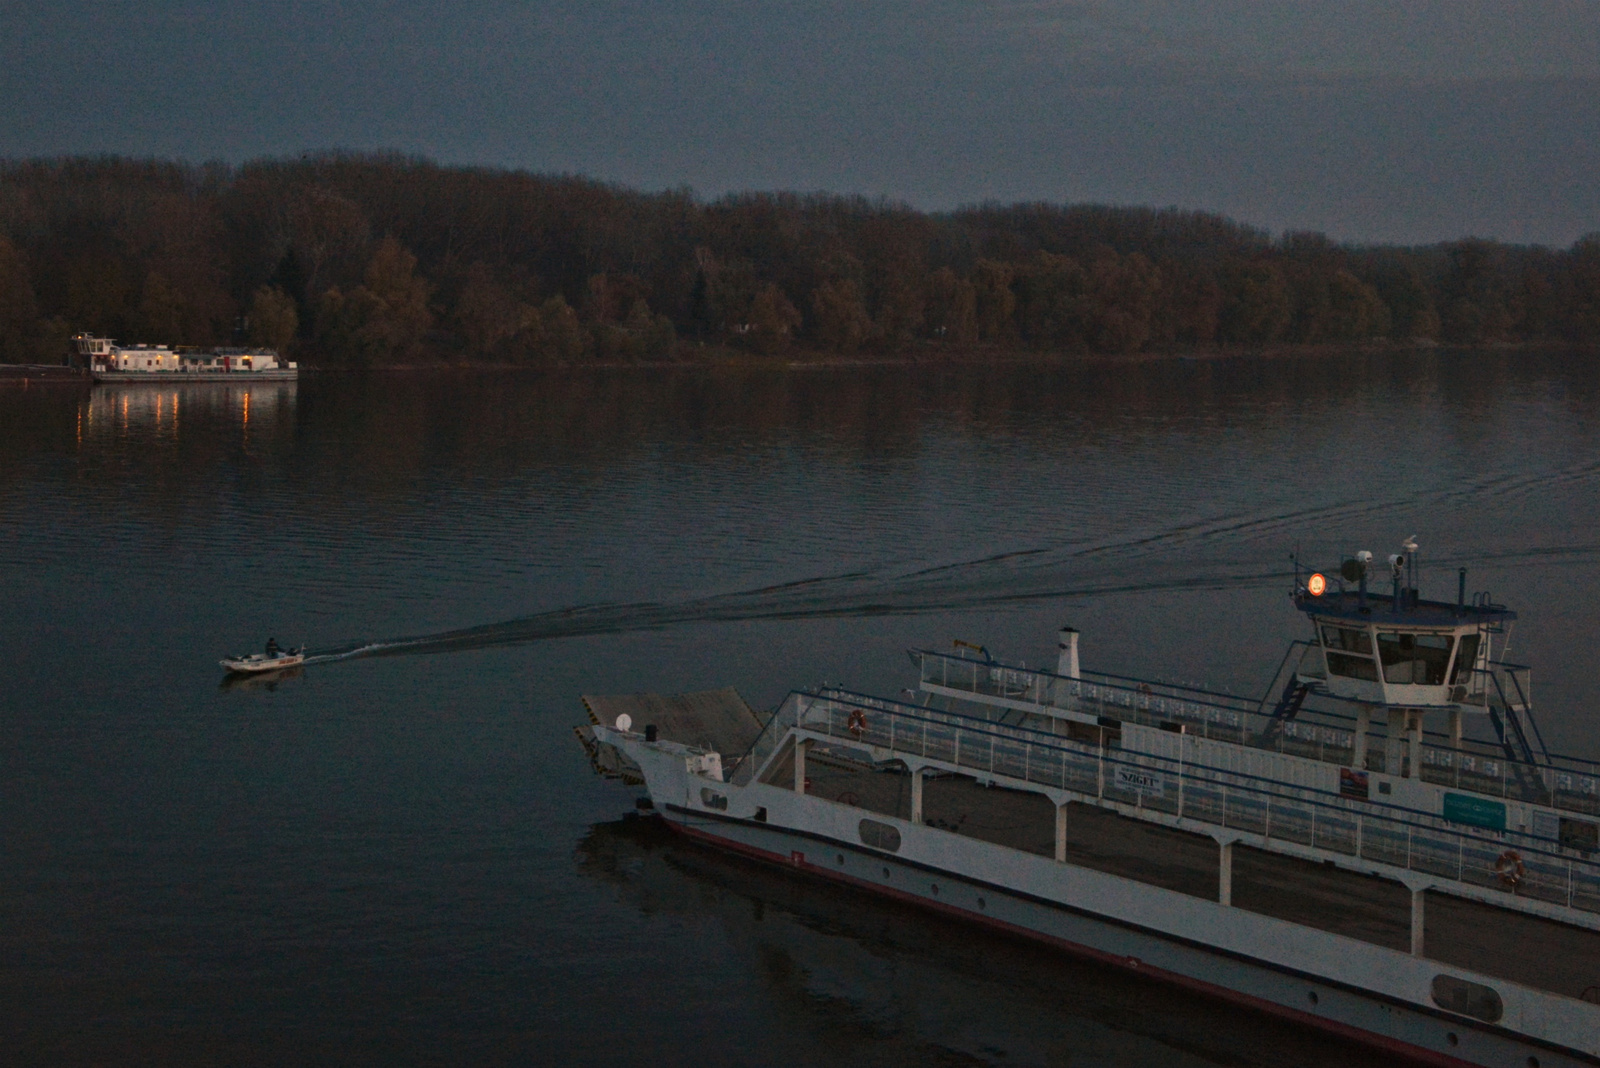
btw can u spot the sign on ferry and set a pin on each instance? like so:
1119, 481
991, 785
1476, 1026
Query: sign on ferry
1140, 782
1477, 811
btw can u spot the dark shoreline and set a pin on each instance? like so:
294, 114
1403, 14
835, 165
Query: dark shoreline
719, 357
50, 373
692, 356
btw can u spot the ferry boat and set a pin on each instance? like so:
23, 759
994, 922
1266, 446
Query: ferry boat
1382, 847
110, 362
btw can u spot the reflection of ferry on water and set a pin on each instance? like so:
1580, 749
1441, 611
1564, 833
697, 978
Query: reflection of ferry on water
1381, 847
110, 362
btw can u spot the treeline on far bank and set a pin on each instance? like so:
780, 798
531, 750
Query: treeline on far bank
348, 260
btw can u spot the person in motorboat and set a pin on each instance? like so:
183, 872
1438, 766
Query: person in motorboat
272, 647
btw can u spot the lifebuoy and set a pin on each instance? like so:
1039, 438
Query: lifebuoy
1509, 867
857, 723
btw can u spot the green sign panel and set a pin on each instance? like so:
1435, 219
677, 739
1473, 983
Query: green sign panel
1478, 811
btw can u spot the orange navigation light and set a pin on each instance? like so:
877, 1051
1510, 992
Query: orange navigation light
1317, 585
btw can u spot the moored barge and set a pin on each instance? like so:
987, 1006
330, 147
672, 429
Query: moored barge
109, 362
1381, 847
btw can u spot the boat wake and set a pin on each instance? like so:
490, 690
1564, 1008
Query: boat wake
1218, 552
823, 598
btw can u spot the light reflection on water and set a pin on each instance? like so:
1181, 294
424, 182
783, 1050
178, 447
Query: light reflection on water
391, 857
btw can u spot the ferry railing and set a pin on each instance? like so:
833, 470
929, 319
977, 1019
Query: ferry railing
1565, 783
777, 727
1277, 811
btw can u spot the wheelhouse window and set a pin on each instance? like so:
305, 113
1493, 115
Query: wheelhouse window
1349, 652
1414, 659
1466, 660
1347, 640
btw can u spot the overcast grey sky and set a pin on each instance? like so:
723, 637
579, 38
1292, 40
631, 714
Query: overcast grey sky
1404, 120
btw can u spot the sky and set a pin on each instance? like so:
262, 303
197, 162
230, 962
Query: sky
1403, 121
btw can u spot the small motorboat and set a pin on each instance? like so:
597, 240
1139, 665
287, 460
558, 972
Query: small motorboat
274, 659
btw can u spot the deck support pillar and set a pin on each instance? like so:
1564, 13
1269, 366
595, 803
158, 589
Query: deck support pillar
1225, 842
1455, 728
916, 795
801, 746
1061, 832
1419, 888
1358, 758
1414, 743
1393, 739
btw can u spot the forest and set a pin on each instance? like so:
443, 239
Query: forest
365, 261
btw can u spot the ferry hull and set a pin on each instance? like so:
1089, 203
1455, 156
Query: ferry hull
178, 378
1420, 1035
1382, 997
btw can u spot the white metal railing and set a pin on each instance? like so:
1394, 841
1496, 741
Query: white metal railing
1570, 784
1277, 811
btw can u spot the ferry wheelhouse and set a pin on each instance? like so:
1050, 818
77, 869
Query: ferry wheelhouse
1381, 846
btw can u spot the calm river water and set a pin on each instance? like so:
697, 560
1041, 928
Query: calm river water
401, 855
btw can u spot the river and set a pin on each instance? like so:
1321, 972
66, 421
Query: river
400, 855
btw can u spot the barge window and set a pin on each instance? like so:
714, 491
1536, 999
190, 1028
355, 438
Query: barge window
1352, 667
1347, 640
1466, 658
1414, 659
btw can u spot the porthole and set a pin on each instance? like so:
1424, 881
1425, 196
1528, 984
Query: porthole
1533, 1062
886, 873
1452, 1039
982, 904
1311, 996
935, 889
841, 860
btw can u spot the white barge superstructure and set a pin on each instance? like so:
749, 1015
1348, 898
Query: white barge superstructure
1381, 848
109, 362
